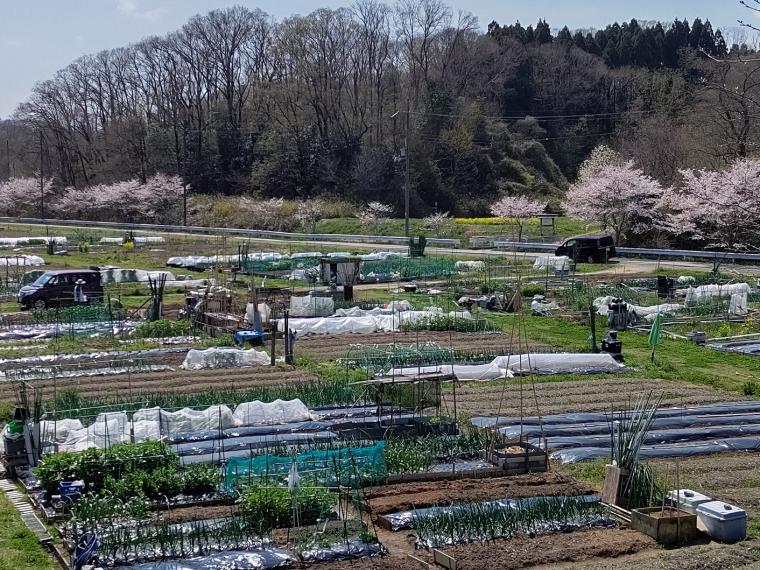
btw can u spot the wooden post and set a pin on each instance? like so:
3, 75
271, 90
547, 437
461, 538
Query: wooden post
274, 335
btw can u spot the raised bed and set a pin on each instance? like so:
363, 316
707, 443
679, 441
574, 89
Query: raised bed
667, 526
518, 458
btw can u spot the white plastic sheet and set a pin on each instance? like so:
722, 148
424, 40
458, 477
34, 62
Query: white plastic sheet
107, 430
117, 275
705, 293
506, 366
364, 324
645, 313
21, 261
310, 306
138, 240
58, 431
738, 304
469, 266
224, 357
264, 313
553, 262
187, 419
17, 241
271, 413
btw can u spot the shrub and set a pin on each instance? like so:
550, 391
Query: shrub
97, 466
270, 507
532, 289
163, 329
750, 388
267, 507
200, 479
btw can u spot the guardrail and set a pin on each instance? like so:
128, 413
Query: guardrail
644, 252
398, 240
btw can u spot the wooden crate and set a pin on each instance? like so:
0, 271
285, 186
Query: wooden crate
530, 460
668, 526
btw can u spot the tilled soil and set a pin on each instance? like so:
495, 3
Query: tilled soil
186, 514
730, 477
406, 496
592, 394
178, 381
338, 346
517, 552
710, 556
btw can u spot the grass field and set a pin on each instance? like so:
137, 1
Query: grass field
19, 548
461, 229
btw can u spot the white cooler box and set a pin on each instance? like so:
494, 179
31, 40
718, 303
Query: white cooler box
687, 499
723, 522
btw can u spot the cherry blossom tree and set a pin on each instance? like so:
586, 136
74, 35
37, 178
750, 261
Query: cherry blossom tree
22, 196
601, 157
437, 223
159, 199
310, 212
720, 208
518, 209
374, 214
620, 198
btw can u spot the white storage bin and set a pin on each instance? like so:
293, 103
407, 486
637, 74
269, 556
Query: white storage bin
688, 500
723, 522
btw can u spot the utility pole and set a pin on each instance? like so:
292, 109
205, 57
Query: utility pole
406, 183
42, 182
405, 156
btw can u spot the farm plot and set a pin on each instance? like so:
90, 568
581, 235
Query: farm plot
329, 347
133, 387
548, 395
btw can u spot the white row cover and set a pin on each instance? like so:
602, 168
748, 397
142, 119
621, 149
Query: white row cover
139, 240
553, 262
210, 261
705, 293
309, 306
389, 309
224, 357
117, 275
645, 313
155, 423
203, 260
469, 266
507, 366
339, 325
21, 261
17, 241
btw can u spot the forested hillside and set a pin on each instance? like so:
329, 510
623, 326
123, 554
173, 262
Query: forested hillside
332, 103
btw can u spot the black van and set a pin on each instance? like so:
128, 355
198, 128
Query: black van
62, 288
589, 249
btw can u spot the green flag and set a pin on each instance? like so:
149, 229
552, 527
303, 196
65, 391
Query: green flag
654, 334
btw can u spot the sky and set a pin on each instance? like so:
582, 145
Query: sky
38, 37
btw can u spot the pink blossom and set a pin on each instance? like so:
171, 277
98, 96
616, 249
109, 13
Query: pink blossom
721, 208
620, 198
518, 209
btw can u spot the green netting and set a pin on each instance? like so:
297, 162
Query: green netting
249, 265
85, 313
347, 467
408, 268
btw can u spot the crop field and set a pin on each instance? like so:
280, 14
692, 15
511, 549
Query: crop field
307, 462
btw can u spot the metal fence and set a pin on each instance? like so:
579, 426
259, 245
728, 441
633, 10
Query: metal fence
398, 240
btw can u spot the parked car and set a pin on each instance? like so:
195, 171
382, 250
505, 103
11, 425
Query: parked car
589, 249
62, 288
